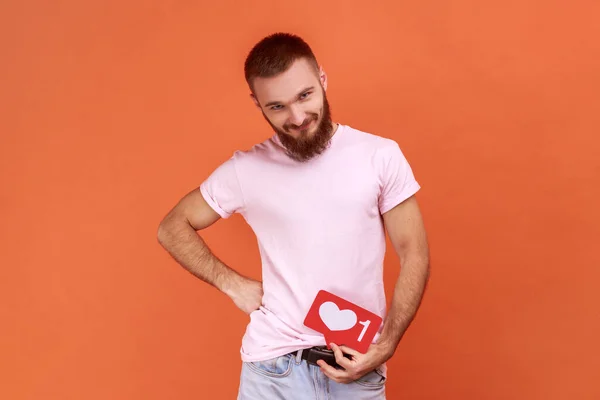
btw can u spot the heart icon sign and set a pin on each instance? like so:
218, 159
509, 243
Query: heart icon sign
342, 322
336, 319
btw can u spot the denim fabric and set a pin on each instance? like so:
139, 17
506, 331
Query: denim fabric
290, 378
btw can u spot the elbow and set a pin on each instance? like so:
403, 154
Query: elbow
171, 227
161, 233
164, 230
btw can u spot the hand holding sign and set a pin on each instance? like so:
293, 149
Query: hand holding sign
342, 322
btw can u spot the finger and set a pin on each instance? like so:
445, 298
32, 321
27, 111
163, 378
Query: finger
328, 369
336, 375
339, 357
350, 351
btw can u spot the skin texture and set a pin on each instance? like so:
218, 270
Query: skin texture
294, 104
177, 233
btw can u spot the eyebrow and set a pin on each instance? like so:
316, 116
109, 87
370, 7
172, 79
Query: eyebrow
274, 103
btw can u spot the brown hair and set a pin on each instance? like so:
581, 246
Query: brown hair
275, 54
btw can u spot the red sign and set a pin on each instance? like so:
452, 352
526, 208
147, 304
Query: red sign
342, 322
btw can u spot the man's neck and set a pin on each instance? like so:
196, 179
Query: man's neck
334, 129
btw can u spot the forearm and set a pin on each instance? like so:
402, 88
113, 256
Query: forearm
406, 300
184, 244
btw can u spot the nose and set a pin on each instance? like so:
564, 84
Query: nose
297, 115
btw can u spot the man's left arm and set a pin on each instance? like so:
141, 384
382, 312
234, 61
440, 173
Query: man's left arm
406, 230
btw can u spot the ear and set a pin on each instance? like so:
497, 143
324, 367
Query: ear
323, 77
255, 100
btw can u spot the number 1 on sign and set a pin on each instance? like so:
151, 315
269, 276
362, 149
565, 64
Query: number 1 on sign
366, 326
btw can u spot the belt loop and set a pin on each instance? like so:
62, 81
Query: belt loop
299, 356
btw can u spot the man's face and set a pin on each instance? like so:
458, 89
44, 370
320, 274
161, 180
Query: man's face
295, 105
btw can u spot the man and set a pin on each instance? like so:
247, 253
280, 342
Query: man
319, 196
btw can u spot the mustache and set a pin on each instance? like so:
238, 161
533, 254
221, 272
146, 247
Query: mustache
313, 117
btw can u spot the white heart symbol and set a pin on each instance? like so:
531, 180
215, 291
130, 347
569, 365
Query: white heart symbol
336, 319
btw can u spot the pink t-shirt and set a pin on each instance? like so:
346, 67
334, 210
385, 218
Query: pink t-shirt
318, 225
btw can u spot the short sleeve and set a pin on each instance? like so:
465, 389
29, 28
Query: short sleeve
397, 181
222, 190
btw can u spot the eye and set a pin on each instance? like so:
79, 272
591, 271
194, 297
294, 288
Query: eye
304, 95
277, 107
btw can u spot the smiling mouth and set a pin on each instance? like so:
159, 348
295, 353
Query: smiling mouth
303, 126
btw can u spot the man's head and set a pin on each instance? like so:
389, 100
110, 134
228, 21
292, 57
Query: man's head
288, 86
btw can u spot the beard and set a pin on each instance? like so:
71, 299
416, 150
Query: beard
307, 147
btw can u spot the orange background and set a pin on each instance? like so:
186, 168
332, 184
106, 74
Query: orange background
111, 111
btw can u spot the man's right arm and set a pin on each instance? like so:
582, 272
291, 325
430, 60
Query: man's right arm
177, 233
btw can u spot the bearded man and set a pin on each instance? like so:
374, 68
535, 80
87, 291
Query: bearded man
320, 197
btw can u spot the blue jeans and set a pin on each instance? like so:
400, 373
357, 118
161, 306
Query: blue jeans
289, 377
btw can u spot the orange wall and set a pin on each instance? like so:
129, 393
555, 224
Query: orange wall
113, 110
